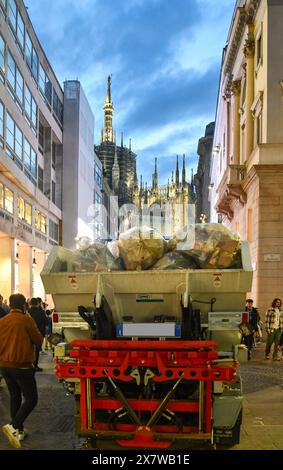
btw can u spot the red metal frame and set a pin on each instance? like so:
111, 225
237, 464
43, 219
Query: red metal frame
192, 360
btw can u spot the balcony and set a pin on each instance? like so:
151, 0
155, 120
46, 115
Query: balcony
230, 190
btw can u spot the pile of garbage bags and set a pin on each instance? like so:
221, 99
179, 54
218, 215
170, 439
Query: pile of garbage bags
199, 246
95, 258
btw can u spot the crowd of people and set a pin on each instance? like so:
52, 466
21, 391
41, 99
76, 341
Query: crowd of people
26, 324
252, 328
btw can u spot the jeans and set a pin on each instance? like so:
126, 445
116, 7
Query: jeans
20, 382
273, 337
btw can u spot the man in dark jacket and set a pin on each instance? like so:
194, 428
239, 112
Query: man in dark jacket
18, 336
252, 325
38, 314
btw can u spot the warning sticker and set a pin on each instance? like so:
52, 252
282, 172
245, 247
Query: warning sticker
217, 279
73, 282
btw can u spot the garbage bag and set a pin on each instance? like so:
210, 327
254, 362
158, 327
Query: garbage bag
141, 247
175, 260
212, 246
95, 258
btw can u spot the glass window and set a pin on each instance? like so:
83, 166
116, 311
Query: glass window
1, 195
34, 65
33, 163
15, 78
20, 30
3, 4
11, 75
57, 107
43, 223
53, 156
2, 55
21, 208
28, 50
30, 158
40, 136
37, 219
40, 221
40, 179
24, 211
98, 198
18, 143
33, 112
19, 85
30, 107
48, 90
28, 213
13, 14
27, 101
41, 79
10, 131
1, 119
53, 192
53, 230
27, 154
9, 201
98, 175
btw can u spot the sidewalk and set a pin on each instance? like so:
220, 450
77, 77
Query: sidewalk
262, 427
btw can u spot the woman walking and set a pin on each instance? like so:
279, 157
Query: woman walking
274, 328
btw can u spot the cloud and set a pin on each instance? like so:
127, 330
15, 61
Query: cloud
164, 56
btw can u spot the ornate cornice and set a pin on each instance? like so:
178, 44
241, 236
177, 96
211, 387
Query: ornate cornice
236, 87
249, 47
235, 40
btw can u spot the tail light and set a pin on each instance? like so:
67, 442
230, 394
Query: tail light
245, 317
55, 318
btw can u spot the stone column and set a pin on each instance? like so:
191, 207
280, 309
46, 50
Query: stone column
249, 51
7, 266
236, 89
25, 269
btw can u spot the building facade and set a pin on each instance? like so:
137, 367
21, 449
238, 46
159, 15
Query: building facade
202, 177
82, 170
118, 162
31, 137
173, 200
247, 164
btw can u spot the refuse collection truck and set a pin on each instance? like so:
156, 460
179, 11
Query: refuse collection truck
157, 367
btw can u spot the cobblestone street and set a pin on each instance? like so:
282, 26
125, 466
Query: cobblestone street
50, 426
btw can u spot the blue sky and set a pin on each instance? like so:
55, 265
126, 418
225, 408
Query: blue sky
164, 56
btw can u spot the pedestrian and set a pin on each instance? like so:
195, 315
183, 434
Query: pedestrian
48, 331
4, 309
38, 314
274, 328
253, 319
18, 336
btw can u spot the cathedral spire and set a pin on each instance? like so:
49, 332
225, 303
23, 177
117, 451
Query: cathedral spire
141, 188
177, 171
122, 139
108, 132
146, 194
155, 177
115, 173
184, 170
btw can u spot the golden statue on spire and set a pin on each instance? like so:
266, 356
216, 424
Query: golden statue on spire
108, 134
